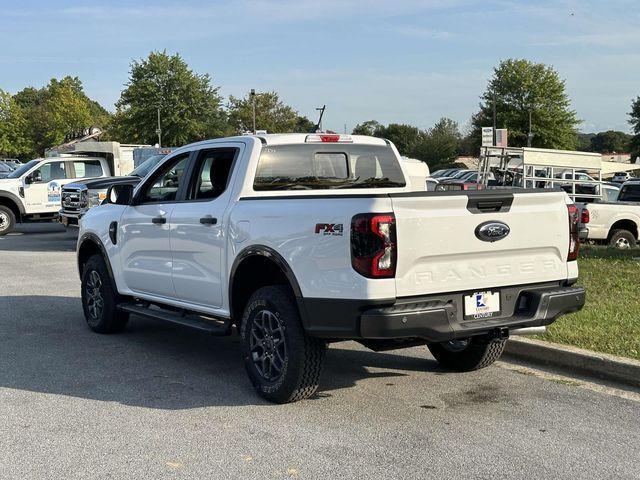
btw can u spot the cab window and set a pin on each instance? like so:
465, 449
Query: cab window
164, 185
53, 171
212, 172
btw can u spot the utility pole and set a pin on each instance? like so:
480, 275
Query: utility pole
321, 110
494, 119
159, 130
530, 135
253, 102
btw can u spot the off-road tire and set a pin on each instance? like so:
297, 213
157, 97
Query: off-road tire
7, 220
622, 239
303, 355
479, 353
105, 317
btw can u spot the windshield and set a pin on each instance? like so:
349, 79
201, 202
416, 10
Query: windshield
461, 174
17, 173
145, 167
328, 166
5, 168
629, 193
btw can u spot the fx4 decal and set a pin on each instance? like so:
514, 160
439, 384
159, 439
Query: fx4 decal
329, 229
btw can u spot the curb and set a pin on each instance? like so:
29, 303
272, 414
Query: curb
601, 365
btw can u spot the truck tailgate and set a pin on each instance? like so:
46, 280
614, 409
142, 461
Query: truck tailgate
439, 249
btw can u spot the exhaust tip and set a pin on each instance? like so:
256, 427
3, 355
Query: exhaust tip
528, 331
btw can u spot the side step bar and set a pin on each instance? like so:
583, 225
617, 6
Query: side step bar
211, 326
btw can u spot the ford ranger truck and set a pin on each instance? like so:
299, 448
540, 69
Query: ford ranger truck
301, 240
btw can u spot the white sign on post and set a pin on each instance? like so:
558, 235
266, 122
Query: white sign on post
487, 136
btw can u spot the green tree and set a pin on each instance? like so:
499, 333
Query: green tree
610, 141
56, 110
406, 138
370, 127
440, 145
520, 88
272, 115
634, 120
190, 106
14, 141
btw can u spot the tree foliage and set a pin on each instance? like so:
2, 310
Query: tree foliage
14, 142
52, 112
438, 146
634, 120
520, 87
610, 141
272, 115
190, 106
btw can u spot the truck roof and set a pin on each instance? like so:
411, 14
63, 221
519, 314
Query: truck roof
291, 138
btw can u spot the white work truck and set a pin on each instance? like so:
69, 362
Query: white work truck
300, 240
615, 222
34, 191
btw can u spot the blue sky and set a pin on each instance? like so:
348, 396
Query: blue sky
394, 61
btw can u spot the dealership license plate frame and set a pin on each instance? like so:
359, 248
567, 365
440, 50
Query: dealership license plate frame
487, 306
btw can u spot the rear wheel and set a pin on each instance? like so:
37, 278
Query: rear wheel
7, 220
282, 362
99, 299
467, 354
622, 239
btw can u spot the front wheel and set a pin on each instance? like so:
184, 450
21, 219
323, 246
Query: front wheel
282, 361
99, 299
467, 354
7, 220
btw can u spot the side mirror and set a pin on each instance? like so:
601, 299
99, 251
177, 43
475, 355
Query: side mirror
120, 194
35, 177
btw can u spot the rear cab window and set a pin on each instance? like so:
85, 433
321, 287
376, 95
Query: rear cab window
629, 193
330, 166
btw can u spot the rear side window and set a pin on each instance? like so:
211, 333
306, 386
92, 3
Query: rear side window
87, 168
308, 167
629, 193
213, 171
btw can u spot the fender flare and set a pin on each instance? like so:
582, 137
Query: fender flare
265, 252
14, 199
89, 237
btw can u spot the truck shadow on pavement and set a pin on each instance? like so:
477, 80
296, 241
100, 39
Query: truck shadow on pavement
45, 346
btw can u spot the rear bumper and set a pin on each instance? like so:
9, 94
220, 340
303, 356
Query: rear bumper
438, 318
583, 233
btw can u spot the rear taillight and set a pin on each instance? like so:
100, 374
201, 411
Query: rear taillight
584, 216
574, 241
373, 245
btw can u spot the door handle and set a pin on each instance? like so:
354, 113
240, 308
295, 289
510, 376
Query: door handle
159, 220
208, 220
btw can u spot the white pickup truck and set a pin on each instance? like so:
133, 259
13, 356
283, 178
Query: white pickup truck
300, 240
615, 222
32, 191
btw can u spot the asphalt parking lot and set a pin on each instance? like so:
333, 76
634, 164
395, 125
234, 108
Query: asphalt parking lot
164, 402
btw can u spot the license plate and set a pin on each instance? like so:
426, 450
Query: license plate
481, 304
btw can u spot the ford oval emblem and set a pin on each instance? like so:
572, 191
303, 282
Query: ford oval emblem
492, 231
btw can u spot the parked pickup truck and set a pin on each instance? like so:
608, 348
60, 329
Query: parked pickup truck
78, 197
615, 223
300, 240
33, 191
